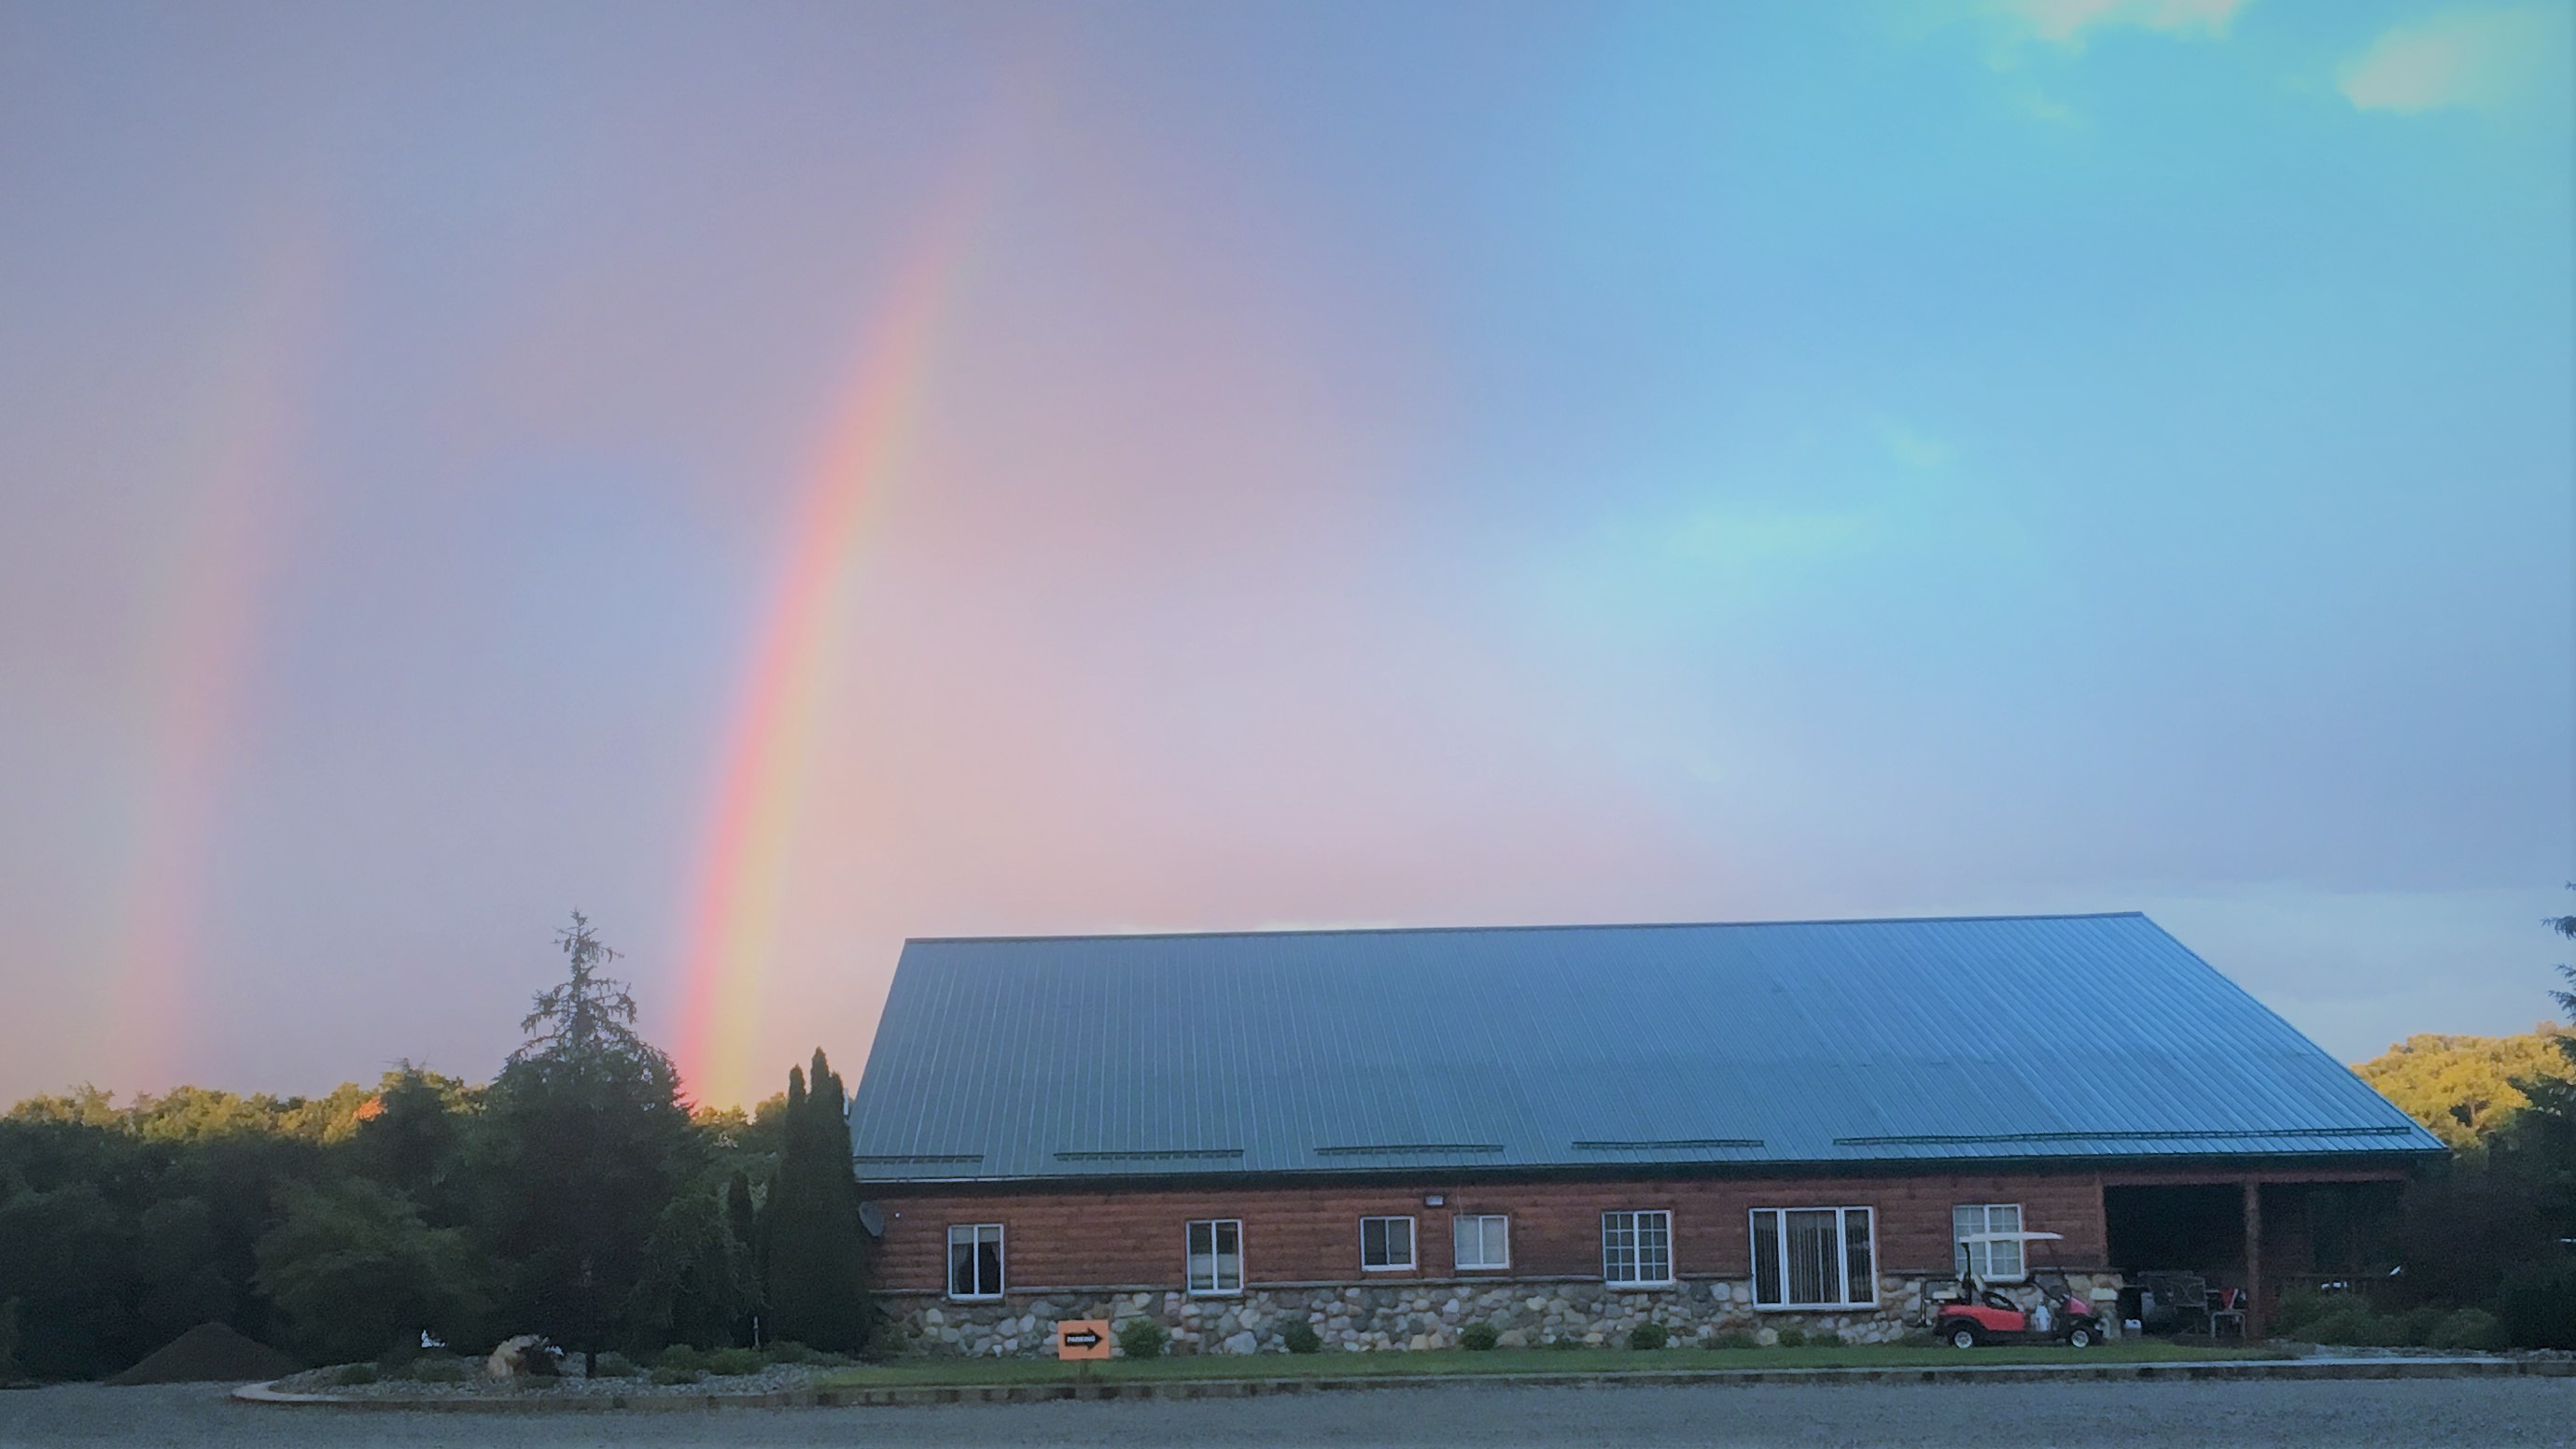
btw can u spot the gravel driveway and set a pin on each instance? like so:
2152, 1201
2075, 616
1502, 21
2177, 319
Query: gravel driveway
2490, 1413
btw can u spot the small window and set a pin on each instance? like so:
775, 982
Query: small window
1994, 1262
1386, 1243
1484, 1240
975, 1261
1637, 1249
1814, 1258
1216, 1256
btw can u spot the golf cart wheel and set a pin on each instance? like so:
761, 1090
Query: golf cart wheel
1962, 1336
2080, 1336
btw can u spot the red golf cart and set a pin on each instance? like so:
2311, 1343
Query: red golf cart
1979, 1314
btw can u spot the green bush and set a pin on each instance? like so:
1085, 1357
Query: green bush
671, 1373
2539, 1308
788, 1350
1142, 1338
2469, 1328
2300, 1307
354, 1373
1649, 1335
2416, 1327
1731, 1339
1478, 1337
1826, 1339
680, 1356
616, 1366
2350, 1321
1301, 1337
1793, 1338
438, 1369
736, 1361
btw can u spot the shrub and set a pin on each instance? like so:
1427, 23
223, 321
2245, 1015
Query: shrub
736, 1361
788, 1350
2301, 1307
1826, 1339
1478, 1337
355, 1373
2415, 1329
680, 1356
1301, 1337
676, 1374
2350, 1321
438, 1369
2539, 1308
1732, 1339
2469, 1328
616, 1366
1142, 1338
1565, 1343
1649, 1335
1793, 1338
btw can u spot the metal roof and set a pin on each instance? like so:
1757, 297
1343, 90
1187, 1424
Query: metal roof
1589, 1046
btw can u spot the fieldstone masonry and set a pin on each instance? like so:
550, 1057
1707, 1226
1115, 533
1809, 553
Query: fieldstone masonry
1409, 1316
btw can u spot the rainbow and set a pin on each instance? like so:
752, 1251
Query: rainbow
742, 879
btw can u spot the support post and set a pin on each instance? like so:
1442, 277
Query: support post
2253, 1261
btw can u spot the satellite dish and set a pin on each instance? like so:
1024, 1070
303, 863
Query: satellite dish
872, 1218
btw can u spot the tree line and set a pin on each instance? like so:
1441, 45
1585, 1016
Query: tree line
576, 1195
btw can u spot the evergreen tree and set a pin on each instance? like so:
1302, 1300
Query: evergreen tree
816, 1277
593, 1146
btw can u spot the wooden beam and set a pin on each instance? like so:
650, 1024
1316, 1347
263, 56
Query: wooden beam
2253, 1260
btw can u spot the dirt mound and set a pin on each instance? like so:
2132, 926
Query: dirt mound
208, 1353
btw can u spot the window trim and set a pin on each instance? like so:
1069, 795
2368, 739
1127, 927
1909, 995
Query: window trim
1189, 1279
1502, 1267
1412, 1244
1001, 1261
1842, 1255
1672, 1271
1961, 1259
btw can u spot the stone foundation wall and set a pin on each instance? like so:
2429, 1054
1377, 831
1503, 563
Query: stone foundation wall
1409, 1316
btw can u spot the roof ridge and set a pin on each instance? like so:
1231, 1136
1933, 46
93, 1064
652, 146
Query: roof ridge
1493, 930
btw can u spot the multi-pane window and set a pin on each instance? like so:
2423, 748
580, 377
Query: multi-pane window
1636, 1248
1813, 1258
1994, 1262
1484, 1240
1216, 1256
1386, 1242
975, 1260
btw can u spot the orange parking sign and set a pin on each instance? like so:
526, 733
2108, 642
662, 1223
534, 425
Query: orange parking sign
1082, 1338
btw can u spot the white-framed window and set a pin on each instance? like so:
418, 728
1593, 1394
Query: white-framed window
1386, 1243
1484, 1240
975, 1260
1216, 1255
1637, 1249
1994, 1262
1814, 1258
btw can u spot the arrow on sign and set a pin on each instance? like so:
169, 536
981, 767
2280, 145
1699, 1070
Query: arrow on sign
1082, 1338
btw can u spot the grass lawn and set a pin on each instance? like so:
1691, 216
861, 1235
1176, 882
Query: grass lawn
911, 1372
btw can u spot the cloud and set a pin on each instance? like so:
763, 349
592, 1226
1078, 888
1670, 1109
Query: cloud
2065, 22
2472, 58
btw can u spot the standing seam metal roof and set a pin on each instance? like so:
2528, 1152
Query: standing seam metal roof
1583, 1046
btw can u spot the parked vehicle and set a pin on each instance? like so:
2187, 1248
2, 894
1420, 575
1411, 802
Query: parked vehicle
1984, 1315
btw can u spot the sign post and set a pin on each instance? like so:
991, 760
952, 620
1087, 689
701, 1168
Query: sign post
1082, 1338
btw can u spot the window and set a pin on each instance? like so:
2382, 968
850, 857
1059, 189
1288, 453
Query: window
1386, 1242
1216, 1256
1636, 1248
1813, 1258
1994, 1262
1484, 1240
975, 1261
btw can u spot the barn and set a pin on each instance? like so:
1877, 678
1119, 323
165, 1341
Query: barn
1568, 1131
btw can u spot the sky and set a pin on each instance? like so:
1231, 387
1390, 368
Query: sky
784, 478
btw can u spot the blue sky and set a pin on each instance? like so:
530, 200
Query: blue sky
1415, 464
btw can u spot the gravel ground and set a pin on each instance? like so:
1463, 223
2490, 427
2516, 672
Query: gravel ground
2490, 1413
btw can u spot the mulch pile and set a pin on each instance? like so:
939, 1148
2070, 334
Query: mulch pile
209, 1353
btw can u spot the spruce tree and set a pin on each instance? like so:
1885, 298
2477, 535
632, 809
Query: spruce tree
817, 1288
